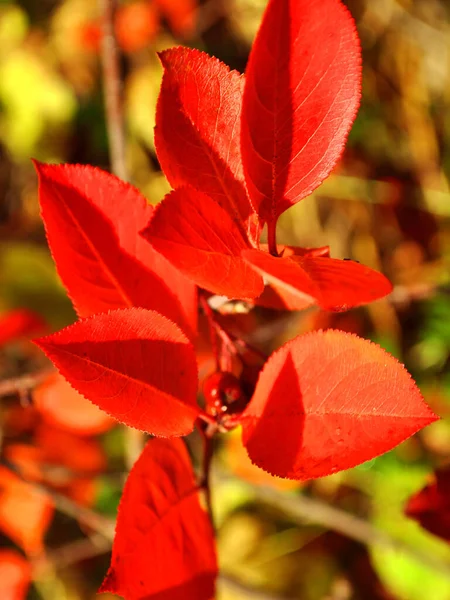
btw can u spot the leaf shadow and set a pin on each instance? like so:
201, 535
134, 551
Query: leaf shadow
275, 441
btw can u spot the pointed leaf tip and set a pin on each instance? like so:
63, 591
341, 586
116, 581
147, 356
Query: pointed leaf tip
328, 401
134, 364
334, 284
301, 96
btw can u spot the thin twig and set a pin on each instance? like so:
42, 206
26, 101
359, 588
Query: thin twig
82, 549
24, 384
207, 432
112, 90
235, 586
303, 509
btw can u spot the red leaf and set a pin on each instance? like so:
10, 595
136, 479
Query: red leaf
328, 401
15, 575
164, 543
431, 506
335, 284
25, 512
136, 25
19, 323
59, 404
181, 15
201, 240
198, 128
92, 220
301, 96
135, 364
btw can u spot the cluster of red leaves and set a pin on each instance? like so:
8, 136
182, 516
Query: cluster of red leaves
238, 151
57, 451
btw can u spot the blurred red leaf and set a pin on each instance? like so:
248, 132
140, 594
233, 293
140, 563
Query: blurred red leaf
201, 240
15, 575
60, 404
25, 512
301, 96
327, 401
80, 455
60, 460
180, 14
92, 220
135, 364
164, 543
136, 25
198, 129
335, 284
431, 506
19, 323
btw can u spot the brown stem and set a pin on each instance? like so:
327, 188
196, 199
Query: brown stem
112, 89
207, 432
272, 237
21, 386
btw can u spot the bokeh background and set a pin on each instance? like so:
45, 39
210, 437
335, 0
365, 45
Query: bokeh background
386, 205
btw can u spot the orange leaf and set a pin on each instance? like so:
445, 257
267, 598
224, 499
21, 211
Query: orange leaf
59, 404
15, 575
25, 512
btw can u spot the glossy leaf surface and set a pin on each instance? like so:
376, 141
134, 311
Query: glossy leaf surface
60, 404
334, 284
431, 505
198, 128
328, 401
92, 221
164, 543
301, 96
201, 240
15, 575
134, 364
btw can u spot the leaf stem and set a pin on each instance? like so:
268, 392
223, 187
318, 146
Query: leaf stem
207, 432
21, 386
272, 237
112, 89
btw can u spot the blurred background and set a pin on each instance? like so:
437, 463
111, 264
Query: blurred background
387, 205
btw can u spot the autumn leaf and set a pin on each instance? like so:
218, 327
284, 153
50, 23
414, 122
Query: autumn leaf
197, 135
334, 284
300, 99
164, 543
201, 240
60, 404
135, 364
327, 401
431, 506
15, 575
25, 512
92, 220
